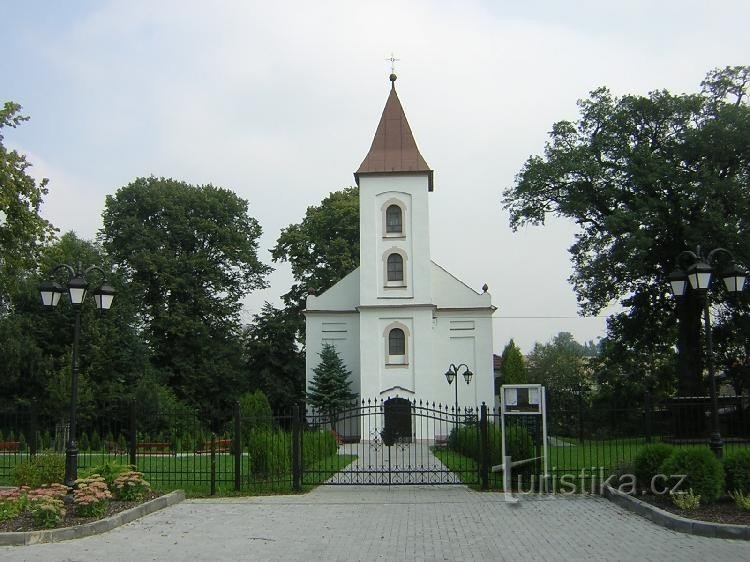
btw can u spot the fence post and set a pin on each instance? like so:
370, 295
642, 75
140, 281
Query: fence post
213, 464
484, 448
237, 448
33, 444
132, 438
649, 409
296, 457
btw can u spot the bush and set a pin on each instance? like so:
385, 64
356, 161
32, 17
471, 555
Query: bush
705, 475
647, 463
131, 486
270, 452
687, 501
109, 470
519, 444
83, 442
96, 441
91, 496
737, 470
45, 468
256, 413
317, 445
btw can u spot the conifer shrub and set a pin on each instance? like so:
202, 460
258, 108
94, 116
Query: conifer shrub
270, 452
737, 471
96, 441
83, 442
648, 461
705, 474
519, 444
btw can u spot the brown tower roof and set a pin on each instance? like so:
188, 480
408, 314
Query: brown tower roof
393, 149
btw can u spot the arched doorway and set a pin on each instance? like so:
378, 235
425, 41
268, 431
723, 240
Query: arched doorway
397, 414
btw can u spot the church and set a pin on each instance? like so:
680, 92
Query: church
400, 321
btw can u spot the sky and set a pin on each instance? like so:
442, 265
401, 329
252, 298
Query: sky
279, 102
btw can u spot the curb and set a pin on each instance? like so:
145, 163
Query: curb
93, 528
676, 522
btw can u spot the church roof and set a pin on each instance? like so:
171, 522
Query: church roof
394, 149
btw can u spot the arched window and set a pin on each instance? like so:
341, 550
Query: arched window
395, 267
396, 342
393, 220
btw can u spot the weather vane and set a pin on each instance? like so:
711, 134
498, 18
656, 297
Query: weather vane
393, 60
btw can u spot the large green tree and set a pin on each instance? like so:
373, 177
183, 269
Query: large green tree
275, 365
22, 229
322, 248
189, 253
646, 177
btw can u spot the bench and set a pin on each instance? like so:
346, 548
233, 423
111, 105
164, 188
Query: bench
10, 446
441, 441
222, 446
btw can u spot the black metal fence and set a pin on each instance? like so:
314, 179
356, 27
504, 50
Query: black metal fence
374, 442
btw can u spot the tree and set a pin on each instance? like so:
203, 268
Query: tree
330, 390
646, 177
23, 232
190, 255
321, 249
275, 365
512, 365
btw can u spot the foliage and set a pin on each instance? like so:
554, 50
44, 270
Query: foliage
256, 413
330, 389
41, 469
12, 503
270, 452
317, 445
22, 229
322, 248
109, 470
648, 461
686, 500
737, 470
562, 367
91, 496
703, 471
512, 365
46, 505
131, 486
741, 500
633, 172
189, 254
275, 365
519, 444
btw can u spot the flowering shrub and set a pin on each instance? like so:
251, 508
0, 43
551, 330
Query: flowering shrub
12, 503
130, 486
46, 505
91, 496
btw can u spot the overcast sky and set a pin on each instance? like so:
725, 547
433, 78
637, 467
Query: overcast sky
279, 101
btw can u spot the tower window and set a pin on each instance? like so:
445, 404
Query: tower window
393, 220
396, 342
395, 267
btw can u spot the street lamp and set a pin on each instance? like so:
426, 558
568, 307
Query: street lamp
697, 270
452, 373
51, 291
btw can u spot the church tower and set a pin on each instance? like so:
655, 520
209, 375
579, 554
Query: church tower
399, 320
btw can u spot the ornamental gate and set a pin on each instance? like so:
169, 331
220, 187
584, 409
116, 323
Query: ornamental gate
396, 442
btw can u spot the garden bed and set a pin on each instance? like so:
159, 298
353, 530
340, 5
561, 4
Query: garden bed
724, 511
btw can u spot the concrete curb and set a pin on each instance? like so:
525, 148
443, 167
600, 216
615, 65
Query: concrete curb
676, 522
93, 528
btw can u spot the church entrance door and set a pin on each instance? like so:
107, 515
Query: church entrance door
397, 421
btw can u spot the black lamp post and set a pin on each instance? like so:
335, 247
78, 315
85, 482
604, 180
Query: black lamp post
698, 270
452, 373
51, 291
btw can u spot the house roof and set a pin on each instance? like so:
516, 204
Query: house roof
394, 149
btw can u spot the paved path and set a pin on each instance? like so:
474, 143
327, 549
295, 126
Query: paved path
382, 523
407, 463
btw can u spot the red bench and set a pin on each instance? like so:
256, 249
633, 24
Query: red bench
222, 446
10, 446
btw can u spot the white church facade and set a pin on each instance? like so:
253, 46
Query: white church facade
400, 320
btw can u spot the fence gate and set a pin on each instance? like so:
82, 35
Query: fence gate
392, 442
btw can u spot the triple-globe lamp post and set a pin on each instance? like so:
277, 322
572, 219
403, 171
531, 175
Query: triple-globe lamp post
51, 291
695, 272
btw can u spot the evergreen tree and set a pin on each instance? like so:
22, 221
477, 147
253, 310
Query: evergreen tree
330, 389
512, 365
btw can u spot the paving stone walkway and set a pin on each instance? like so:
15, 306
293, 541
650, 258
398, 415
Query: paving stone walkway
335, 523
